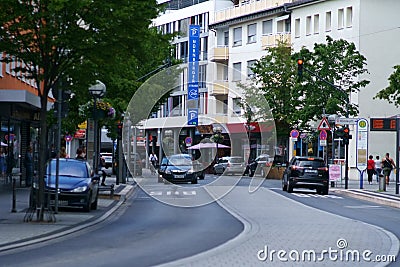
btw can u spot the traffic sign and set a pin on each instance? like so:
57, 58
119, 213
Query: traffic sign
324, 125
323, 135
294, 134
346, 121
188, 140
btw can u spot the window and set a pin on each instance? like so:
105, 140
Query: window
184, 51
340, 18
250, 64
251, 33
328, 21
267, 27
349, 17
237, 108
316, 24
204, 50
226, 38
225, 73
237, 36
297, 28
203, 76
308, 25
237, 71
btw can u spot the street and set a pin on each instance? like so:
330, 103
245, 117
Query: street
147, 232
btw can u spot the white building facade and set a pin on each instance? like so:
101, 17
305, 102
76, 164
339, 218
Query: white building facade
236, 33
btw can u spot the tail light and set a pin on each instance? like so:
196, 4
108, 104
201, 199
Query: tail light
294, 168
325, 169
268, 164
228, 165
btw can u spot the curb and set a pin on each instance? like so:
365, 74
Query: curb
128, 190
370, 196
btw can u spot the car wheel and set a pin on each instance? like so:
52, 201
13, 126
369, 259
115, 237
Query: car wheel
94, 204
284, 186
289, 187
325, 191
194, 181
86, 207
201, 177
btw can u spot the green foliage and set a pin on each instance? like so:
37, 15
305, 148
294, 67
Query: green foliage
392, 92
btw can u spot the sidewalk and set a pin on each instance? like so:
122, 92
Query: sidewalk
369, 192
14, 232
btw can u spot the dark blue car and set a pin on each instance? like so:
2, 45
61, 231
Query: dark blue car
77, 184
180, 168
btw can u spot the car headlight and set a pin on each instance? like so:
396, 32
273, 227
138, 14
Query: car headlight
190, 171
80, 189
168, 172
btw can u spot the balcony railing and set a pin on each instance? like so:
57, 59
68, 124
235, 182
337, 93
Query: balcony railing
247, 7
220, 88
220, 54
273, 40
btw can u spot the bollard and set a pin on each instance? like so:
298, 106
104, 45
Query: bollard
14, 197
382, 183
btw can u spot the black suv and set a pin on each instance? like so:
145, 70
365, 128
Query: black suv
306, 172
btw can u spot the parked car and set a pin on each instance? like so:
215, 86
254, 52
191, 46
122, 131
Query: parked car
229, 165
77, 184
260, 165
108, 159
306, 172
180, 168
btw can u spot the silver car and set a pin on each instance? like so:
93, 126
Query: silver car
229, 165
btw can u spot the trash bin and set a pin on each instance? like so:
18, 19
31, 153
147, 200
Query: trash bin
382, 183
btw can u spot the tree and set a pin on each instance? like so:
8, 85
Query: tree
71, 40
296, 102
392, 92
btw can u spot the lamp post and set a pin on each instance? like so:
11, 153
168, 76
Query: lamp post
97, 91
217, 130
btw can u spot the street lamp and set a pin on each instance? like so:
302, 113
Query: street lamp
217, 130
97, 91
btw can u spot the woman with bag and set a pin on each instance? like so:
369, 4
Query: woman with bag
388, 165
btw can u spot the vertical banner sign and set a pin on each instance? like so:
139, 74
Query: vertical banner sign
193, 74
362, 144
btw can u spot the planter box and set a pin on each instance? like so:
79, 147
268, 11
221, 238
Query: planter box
276, 173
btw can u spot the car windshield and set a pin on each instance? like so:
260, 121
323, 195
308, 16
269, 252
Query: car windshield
178, 161
68, 168
236, 160
310, 163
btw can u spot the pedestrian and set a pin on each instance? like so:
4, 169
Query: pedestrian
79, 154
370, 168
378, 168
28, 163
3, 163
63, 153
387, 166
153, 159
102, 163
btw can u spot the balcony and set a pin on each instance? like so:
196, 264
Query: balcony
273, 40
220, 55
246, 8
220, 88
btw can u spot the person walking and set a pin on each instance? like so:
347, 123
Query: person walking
378, 168
153, 159
102, 163
63, 153
3, 163
370, 168
387, 166
28, 163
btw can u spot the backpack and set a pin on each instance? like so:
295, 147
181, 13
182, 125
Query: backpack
387, 164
